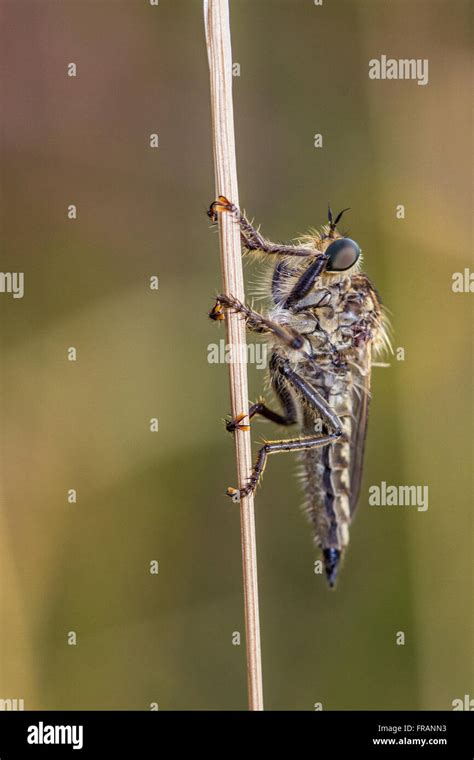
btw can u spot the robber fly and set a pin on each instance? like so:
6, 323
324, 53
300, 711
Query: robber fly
326, 324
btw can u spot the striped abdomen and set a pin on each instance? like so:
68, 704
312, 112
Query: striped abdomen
326, 474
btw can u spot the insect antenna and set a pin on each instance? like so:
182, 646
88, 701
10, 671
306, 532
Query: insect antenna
330, 216
333, 222
338, 217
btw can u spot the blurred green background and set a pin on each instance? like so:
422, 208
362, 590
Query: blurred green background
145, 496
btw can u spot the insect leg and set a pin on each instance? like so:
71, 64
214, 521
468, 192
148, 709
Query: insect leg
312, 398
252, 239
306, 391
305, 282
288, 418
257, 322
275, 447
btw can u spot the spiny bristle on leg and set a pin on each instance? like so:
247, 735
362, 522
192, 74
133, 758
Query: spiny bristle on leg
332, 559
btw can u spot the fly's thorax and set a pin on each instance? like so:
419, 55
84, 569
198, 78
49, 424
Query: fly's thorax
337, 316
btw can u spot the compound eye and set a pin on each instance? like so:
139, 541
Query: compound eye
343, 254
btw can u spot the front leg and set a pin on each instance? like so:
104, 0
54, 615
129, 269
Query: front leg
256, 322
306, 282
252, 239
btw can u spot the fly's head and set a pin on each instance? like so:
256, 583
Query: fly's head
341, 253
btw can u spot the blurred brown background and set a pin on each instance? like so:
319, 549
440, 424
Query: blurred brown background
84, 567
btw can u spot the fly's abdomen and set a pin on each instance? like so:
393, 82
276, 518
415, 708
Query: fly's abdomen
326, 476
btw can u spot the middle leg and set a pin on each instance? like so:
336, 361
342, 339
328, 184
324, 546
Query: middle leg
257, 322
287, 418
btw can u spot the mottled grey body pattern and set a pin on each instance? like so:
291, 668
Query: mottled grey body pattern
326, 322
340, 323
